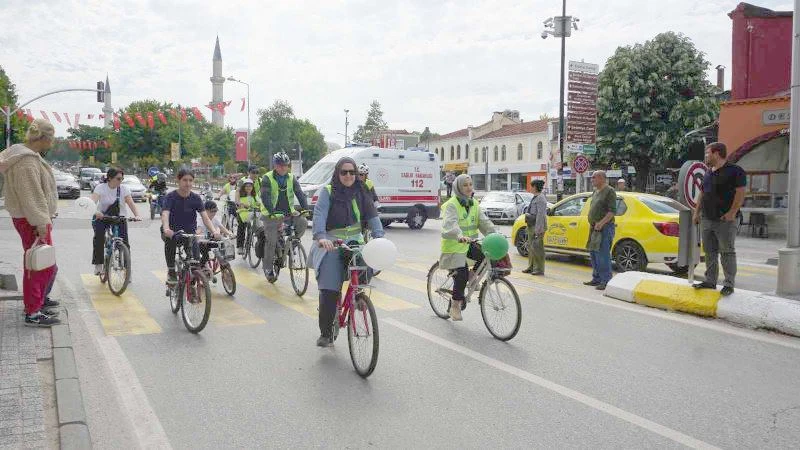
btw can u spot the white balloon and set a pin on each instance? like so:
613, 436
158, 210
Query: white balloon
84, 206
380, 253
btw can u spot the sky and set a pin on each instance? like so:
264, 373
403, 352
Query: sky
444, 65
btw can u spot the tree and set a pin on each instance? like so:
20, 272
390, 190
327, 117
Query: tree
649, 96
218, 142
425, 136
8, 99
373, 125
279, 130
544, 116
92, 133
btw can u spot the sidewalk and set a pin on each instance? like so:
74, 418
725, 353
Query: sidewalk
40, 400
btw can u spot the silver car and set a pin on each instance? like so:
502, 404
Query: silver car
136, 187
502, 206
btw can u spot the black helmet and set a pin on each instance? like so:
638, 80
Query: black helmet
161, 177
281, 158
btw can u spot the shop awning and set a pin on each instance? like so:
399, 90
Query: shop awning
456, 167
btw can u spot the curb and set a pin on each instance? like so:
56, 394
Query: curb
72, 427
749, 308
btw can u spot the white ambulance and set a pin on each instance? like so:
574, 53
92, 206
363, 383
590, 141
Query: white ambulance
406, 181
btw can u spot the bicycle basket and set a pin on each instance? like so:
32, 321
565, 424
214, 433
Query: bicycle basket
228, 249
502, 266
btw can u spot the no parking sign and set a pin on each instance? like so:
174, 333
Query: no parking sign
690, 183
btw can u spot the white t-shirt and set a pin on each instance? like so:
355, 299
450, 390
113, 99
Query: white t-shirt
201, 227
108, 196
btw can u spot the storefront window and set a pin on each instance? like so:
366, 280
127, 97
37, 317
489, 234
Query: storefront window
479, 182
499, 182
759, 183
519, 182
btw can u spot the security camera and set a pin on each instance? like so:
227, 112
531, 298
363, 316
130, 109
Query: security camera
544, 34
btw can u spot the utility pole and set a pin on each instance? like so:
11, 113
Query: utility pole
346, 123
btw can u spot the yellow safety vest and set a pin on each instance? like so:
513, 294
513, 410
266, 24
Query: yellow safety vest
370, 184
275, 191
247, 203
467, 221
352, 232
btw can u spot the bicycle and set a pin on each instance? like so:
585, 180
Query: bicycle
493, 305
296, 256
229, 215
355, 310
220, 265
191, 293
249, 241
116, 256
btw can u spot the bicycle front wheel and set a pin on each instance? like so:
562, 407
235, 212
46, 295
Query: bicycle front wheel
119, 268
196, 302
440, 290
175, 295
362, 335
252, 258
228, 279
500, 308
298, 267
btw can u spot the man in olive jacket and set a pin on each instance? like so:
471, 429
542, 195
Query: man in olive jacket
536, 221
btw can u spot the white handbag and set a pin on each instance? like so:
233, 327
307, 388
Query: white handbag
39, 257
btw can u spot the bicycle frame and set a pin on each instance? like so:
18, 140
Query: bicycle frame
345, 304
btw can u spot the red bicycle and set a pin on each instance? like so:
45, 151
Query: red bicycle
217, 262
355, 311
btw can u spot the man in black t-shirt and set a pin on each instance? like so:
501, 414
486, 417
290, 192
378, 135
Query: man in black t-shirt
722, 196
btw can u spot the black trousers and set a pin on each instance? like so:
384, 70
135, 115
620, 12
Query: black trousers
99, 242
241, 231
327, 311
461, 276
171, 248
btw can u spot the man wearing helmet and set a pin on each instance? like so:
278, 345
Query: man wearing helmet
278, 191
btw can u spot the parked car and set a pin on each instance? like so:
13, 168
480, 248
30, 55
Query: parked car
85, 176
67, 186
502, 206
136, 186
647, 230
97, 178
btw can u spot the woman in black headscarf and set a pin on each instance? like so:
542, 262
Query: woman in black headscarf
341, 207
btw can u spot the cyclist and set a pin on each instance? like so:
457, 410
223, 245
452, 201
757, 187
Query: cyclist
279, 187
363, 175
158, 184
248, 198
225, 193
109, 198
252, 175
210, 207
180, 213
461, 220
340, 207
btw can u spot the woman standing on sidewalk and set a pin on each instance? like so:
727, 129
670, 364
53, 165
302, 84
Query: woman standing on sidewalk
31, 200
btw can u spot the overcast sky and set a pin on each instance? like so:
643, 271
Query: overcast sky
445, 65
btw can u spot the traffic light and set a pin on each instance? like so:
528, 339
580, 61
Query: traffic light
101, 90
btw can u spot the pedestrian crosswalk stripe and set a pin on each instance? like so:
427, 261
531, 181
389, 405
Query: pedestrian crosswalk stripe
522, 290
278, 293
224, 310
120, 316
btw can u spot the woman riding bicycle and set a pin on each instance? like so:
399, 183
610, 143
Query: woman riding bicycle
341, 206
461, 219
109, 197
248, 198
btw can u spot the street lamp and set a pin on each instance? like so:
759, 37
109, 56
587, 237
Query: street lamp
346, 123
561, 26
248, 114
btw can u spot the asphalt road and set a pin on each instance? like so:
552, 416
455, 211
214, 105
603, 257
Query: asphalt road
584, 370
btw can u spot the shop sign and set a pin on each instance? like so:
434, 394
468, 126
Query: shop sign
775, 116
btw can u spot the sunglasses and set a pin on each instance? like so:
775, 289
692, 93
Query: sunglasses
348, 172
118, 178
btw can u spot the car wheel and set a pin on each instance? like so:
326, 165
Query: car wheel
416, 218
386, 222
521, 242
628, 255
678, 270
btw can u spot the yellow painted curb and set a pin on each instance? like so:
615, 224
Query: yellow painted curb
677, 297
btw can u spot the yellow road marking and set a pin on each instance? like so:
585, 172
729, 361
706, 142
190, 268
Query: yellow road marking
279, 293
120, 316
224, 311
415, 283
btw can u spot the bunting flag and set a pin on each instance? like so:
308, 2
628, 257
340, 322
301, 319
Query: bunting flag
129, 120
242, 105
44, 115
116, 122
20, 114
150, 122
101, 116
140, 119
58, 118
197, 114
162, 117
77, 119
90, 117
29, 115
66, 117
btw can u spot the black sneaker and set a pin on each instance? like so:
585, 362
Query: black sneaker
704, 285
324, 341
726, 290
40, 320
49, 312
591, 283
49, 303
172, 277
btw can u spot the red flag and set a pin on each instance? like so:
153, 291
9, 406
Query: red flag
241, 145
58, 118
197, 114
101, 116
183, 115
71, 144
128, 120
140, 119
221, 107
44, 115
242, 105
162, 117
29, 115
20, 114
150, 122
66, 117
116, 122
94, 145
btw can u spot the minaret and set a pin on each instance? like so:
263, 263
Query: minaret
216, 87
108, 120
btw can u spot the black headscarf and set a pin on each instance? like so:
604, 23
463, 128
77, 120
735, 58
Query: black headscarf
341, 212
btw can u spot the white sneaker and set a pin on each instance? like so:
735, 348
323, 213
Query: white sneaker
98, 269
455, 310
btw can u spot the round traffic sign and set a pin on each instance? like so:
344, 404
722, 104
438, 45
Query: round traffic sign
693, 183
581, 164
153, 171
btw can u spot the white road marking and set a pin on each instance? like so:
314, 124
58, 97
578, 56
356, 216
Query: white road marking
133, 399
591, 402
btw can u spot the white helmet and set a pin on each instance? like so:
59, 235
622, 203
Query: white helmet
363, 169
247, 180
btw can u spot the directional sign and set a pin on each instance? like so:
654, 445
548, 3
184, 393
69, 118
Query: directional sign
581, 164
690, 182
153, 171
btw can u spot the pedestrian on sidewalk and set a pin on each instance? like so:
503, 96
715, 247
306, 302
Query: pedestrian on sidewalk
31, 200
448, 182
722, 196
622, 186
536, 221
602, 210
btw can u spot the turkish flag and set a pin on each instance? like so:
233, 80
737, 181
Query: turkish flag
197, 114
44, 115
129, 120
241, 145
242, 105
58, 118
116, 122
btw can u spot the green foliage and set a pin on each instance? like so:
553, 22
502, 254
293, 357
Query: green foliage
279, 130
649, 96
8, 99
91, 133
373, 125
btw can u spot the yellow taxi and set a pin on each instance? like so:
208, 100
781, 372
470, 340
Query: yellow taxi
647, 230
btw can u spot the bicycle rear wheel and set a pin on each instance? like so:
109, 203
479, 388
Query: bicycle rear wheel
440, 290
228, 279
362, 335
175, 295
500, 308
250, 250
118, 268
298, 267
196, 300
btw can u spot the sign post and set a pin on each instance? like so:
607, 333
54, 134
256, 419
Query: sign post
690, 183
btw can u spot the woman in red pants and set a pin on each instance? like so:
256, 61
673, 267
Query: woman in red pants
31, 200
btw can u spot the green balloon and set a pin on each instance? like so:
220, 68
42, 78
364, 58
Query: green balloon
495, 246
